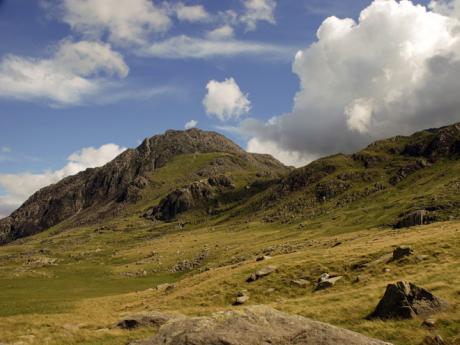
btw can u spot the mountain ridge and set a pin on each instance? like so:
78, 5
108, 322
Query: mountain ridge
118, 181
325, 185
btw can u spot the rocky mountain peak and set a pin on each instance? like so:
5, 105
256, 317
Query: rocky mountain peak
116, 182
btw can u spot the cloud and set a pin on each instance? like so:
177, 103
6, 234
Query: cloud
258, 10
74, 71
225, 100
20, 186
222, 32
395, 71
290, 158
191, 124
5, 149
124, 22
193, 13
185, 47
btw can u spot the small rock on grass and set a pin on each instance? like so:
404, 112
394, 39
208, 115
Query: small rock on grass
300, 282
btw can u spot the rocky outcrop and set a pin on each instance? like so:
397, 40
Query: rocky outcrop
263, 272
415, 218
435, 143
254, 326
100, 191
186, 198
405, 300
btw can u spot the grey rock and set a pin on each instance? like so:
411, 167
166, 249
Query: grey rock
436, 340
263, 272
405, 300
401, 252
327, 282
254, 326
419, 217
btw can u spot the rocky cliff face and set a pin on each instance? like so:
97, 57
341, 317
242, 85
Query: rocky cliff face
119, 181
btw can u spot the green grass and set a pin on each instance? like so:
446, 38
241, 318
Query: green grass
68, 285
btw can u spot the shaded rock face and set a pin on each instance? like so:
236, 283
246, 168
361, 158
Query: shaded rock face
102, 189
405, 300
419, 217
441, 142
184, 199
254, 326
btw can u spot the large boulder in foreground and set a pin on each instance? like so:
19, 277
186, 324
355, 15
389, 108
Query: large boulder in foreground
405, 300
257, 325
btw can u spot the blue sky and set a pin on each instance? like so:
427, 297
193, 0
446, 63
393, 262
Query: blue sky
34, 129
143, 74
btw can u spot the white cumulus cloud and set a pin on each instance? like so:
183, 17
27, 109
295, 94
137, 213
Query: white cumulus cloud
191, 124
222, 32
19, 187
191, 13
394, 71
225, 100
258, 10
74, 71
125, 22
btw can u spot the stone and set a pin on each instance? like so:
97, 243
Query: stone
401, 252
258, 325
300, 282
152, 320
263, 258
241, 299
436, 340
166, 287
263, 272
429, 323
419, 217
328, 282
404, 300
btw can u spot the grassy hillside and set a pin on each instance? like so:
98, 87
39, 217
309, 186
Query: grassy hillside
71, 283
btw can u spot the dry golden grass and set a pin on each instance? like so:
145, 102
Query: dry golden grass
89, 319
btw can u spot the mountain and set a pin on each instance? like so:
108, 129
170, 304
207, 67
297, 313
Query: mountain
101, 192
402, 175
370, 179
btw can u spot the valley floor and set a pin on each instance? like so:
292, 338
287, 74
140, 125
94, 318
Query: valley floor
71, 287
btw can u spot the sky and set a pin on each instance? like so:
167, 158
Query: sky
82, 80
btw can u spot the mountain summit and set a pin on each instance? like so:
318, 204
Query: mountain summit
102, 190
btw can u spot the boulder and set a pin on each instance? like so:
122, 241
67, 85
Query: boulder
401, 252
257, 325
326, 281
263, 258
153, 320
405, 300
241, 297
263, 272
419, 217
436, 340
